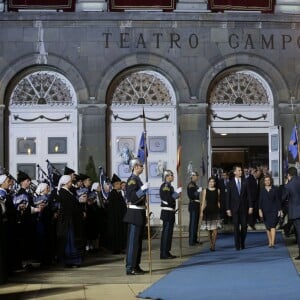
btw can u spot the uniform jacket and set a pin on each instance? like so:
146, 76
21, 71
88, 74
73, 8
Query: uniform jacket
292, 194
135, 196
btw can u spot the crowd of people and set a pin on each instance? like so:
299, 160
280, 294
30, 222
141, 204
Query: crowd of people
243, 198
62, 220
41, 225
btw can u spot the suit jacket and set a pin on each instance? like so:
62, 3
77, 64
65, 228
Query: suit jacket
238, 202
254, 188
292, 194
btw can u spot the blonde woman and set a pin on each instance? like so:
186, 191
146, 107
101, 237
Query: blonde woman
210, 211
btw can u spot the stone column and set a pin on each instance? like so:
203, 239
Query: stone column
91, 5
192, 6
2, 145
287, 6
92, 135
193, 127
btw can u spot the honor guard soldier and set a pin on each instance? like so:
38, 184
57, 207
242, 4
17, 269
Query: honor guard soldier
135, 217
193, 192
168, 204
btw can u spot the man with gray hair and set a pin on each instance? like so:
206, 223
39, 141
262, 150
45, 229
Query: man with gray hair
292, 195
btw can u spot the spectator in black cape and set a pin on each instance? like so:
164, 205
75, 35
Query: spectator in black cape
4, 184
69, 225
116, 209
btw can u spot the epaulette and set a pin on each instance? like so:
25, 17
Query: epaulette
131, 182
166, 188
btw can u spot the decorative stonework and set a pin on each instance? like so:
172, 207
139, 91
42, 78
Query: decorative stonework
242, 87
43, 88
143, 87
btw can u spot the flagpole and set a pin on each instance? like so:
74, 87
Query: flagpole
179, 181
147, 194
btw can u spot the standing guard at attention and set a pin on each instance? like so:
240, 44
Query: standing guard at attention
193, 192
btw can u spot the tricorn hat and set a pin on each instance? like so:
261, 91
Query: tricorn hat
83, 176
115, 178
22, 176
68, 171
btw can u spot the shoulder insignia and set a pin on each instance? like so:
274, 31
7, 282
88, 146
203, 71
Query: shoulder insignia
166, 188
131, 182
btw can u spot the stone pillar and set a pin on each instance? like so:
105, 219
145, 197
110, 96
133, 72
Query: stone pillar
2, 145
193, 127
287, 6
91, 5
92, 135
191, 6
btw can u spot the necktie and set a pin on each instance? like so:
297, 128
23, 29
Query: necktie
239, 186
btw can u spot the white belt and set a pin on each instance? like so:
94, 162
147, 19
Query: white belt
168, 208
196, 201
136, 207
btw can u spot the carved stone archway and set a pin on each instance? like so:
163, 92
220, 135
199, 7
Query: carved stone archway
241, 99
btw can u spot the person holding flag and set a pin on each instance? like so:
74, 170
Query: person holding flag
135, 217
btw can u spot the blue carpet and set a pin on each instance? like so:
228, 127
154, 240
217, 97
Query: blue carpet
256, 273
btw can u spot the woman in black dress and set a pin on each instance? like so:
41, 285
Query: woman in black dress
269, 208
210, 212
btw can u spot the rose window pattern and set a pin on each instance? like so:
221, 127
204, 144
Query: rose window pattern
43, 87
240, 88
143, 87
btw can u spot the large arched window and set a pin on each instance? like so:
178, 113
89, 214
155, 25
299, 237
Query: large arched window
42, 122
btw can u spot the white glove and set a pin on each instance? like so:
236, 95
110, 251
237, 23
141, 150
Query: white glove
178, 190
145, 186
199, 190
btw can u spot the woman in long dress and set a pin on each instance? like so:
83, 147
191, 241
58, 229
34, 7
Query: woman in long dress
270, 208
210, 212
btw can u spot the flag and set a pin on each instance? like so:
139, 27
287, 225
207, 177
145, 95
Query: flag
50, 175
103, 180
179, 150
142, 151
293, 146
178, 158
41, 176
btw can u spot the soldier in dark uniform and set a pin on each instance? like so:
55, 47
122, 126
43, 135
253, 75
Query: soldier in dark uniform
193, 192
168, 204
135, 217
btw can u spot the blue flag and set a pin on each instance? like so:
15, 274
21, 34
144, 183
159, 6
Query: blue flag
142, 151
293, 146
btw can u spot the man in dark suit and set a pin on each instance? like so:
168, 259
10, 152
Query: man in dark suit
238, 205
292, 194
254, 188
222, 186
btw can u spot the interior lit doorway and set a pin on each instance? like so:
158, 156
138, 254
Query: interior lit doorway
247, 150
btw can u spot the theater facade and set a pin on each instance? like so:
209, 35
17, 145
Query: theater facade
216, 86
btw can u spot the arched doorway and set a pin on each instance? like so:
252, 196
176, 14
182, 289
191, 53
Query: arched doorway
242, 122
42, 124
132, 92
